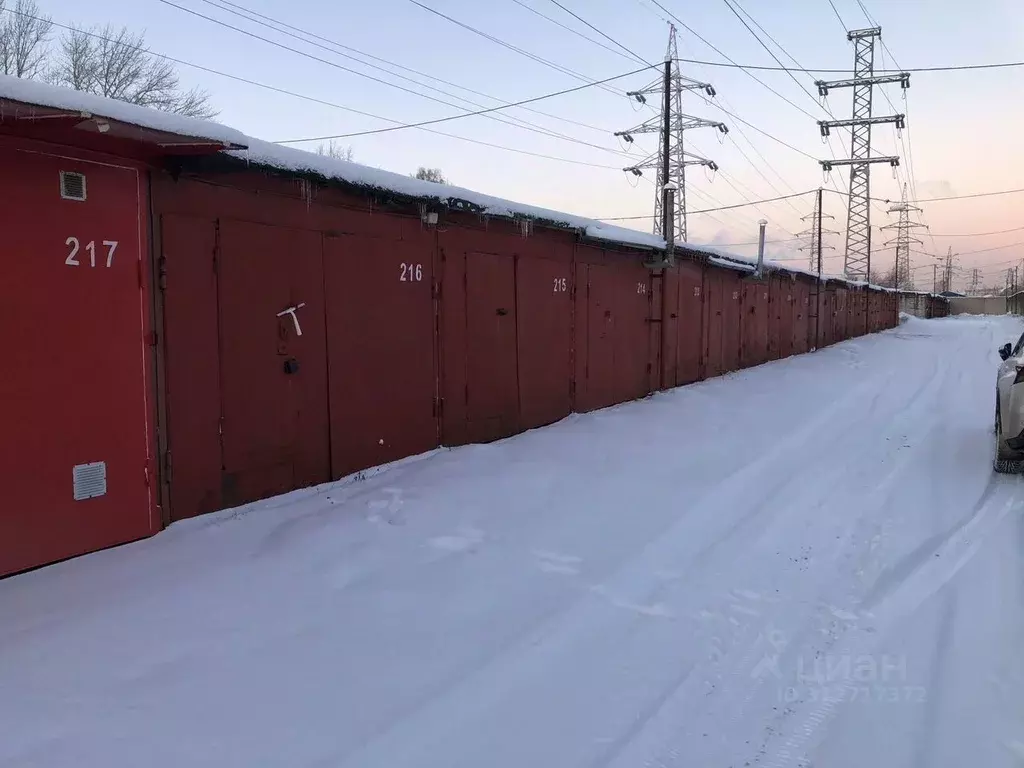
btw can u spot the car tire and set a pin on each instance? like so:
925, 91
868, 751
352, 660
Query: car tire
1006, 461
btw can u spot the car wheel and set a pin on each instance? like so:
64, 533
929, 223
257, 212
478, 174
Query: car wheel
1005, 462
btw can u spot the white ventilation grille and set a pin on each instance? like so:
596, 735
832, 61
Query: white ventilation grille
90, 480
72, 185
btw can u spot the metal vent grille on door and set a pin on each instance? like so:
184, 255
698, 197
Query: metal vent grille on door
90, 480
72, 185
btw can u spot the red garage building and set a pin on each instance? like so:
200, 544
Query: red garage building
199, 319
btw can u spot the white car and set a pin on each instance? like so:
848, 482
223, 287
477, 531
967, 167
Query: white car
1010, 409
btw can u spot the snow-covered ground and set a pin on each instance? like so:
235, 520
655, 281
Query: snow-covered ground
805, 564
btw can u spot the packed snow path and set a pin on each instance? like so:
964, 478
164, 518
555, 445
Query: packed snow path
806, 564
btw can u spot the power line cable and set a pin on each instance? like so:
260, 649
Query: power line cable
836, 11
578, 18
507, 120
712, 210
394, 85
509, 46
396, 65
449, 118
778, 61
311, 99
576, 32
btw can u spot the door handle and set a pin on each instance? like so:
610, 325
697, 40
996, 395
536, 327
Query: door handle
501, 312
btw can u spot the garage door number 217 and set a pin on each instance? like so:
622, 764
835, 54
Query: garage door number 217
90, 248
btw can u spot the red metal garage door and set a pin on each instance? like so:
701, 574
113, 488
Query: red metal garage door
544, 339
714, 306
192, 364
273, 362
690, 323
732, 290
617, 334
74, 446
776, 302
801, 311
380, 344
754, 324
492, 397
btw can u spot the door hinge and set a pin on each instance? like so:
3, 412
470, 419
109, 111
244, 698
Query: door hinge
161, 268
167, 466
438, 407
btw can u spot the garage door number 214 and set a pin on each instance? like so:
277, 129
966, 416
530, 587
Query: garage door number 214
90, 248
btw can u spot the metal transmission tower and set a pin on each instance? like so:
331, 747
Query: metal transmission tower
813, 244
903, 239
975, 281
947, 271
858, 220
671, 159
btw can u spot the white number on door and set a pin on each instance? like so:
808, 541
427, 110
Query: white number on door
411, 273
641, 288
72, 259
561, 285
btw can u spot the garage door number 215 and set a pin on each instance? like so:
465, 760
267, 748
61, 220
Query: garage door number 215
90, 248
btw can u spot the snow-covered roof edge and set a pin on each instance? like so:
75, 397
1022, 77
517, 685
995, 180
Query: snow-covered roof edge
299, 161
35, 93
264, 153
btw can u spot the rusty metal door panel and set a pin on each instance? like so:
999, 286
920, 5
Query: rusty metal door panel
776, 299
580, 339
655, 301
670, 328
379, 297
74, 396
617, 334
273, 362
715, 309
801, 312
544, 300
827, 317
690, 325
602, 318
732, 291
633, 349
754, 325
192, 361
492, 396
839, 325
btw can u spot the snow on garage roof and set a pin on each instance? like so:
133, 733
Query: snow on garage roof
32, 93
300, 161
35, 94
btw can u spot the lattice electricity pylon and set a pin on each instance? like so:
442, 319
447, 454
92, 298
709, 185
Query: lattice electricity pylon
813, 235
903, 239
672, 145
858, 219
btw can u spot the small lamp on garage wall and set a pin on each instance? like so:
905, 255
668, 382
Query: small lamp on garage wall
428, 217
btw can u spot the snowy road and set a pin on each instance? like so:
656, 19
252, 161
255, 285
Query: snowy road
805, 564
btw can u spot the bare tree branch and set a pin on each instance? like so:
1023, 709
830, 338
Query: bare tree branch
115, 63
24, 40
335, 150
430, 174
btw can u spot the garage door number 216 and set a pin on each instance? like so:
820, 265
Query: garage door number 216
74, 245
410, 273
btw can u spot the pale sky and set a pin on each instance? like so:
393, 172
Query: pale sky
964, 127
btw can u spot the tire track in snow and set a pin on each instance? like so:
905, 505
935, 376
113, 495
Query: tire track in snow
919, 398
